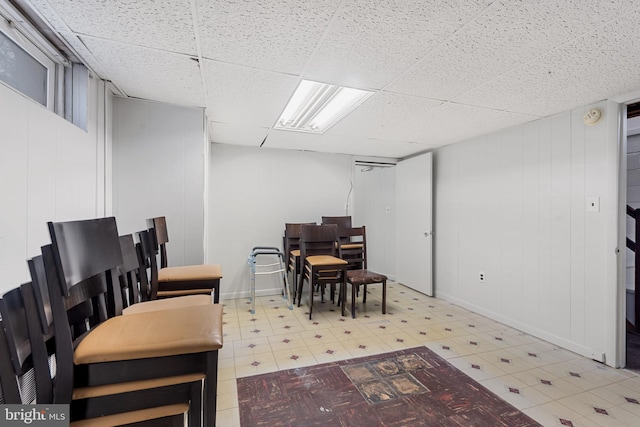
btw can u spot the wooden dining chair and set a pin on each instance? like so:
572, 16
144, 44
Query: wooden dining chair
354, 250
291, 249
32, 353
151, 346
321, 262
134, 275
183, 280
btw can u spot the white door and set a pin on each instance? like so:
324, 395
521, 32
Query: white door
414, 233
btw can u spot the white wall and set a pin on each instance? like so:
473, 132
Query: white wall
158, 170
374, 205
49, 171
253, 192
513, 204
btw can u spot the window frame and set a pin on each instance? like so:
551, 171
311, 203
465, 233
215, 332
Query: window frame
22, 41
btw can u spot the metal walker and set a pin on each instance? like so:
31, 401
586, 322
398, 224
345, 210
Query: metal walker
265, 269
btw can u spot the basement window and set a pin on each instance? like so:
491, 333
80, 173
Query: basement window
22, 71
24, 67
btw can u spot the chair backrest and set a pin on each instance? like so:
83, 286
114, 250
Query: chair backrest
291, 238
27, 347
340, 221
41, 294
84, 249
353, 242
144, 248
9, 388
131, 281
147, 253
319, 240
87, 255
160, 237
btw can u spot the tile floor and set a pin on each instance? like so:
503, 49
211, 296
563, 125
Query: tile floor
554, 386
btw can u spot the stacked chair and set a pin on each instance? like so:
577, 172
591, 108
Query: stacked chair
291, 246
154, 367
145, 269
321, 262
183, 280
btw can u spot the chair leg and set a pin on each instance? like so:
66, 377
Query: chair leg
353, 300
300, 284
310, 296
364, 295
384, 297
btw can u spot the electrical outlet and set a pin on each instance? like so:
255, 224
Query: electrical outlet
482, 277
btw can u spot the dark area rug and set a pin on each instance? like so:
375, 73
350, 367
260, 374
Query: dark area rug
413, 387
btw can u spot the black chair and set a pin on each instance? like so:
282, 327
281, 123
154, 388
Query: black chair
354, 251
134, 278
291, 249
321, 262
184, 280
148, 346
31, 352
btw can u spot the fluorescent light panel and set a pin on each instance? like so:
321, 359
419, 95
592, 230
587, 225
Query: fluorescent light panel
315, 107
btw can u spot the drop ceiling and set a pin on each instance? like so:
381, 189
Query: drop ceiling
442, 71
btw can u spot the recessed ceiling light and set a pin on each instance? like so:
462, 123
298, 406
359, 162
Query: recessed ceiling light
315, 107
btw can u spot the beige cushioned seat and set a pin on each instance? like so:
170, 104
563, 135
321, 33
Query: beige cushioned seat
166, 304
320, 260
190, 272
183, 330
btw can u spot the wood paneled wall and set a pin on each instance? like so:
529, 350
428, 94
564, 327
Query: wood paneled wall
513, 205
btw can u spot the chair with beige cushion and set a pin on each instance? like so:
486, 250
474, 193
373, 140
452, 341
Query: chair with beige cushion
151, 346
133, 278
182, 280
321, 262
30, 350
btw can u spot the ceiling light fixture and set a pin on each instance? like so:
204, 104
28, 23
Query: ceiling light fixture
315, 107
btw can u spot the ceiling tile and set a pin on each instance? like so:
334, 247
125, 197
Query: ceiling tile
135, 70
370, 42
226, 133
503, 38
246, 95
552, 78
382, 115
452, 122
273, 35
161, 24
